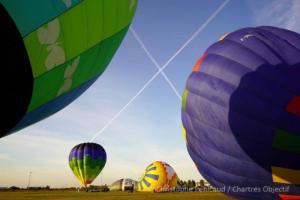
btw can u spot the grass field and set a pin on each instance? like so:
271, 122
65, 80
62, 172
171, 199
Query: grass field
71, 195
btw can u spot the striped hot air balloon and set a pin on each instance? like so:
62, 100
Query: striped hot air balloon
53, 51
87, 160
241, 113
158, 177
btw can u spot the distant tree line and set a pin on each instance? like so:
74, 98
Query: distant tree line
16, 188
193, 186
191, 183
186, 185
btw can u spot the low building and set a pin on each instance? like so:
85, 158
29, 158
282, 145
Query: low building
124, 184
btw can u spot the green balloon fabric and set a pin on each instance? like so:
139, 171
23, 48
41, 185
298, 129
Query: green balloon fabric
87, 160
55, 50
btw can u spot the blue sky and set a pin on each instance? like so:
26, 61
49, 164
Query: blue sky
150, 128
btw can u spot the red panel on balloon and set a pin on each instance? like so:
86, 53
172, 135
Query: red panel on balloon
197, 65
294, 106
289, 197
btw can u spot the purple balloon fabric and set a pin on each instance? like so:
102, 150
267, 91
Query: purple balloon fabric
241, 112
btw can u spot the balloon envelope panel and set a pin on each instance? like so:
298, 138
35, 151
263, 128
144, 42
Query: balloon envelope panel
87, 160
55, 50
241, 113
158, 176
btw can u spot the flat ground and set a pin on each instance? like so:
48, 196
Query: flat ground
71, 195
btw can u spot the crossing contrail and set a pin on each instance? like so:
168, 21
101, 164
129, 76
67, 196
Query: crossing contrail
200, 29
154, 62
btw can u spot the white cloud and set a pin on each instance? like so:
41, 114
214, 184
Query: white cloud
36, 151
282, 13
129, 148
4, 157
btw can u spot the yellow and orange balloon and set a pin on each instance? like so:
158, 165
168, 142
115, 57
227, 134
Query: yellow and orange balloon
158, 177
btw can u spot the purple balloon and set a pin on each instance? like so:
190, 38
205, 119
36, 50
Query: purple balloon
241, 113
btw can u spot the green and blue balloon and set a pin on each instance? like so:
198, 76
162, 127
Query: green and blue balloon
87, 160
53, 51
